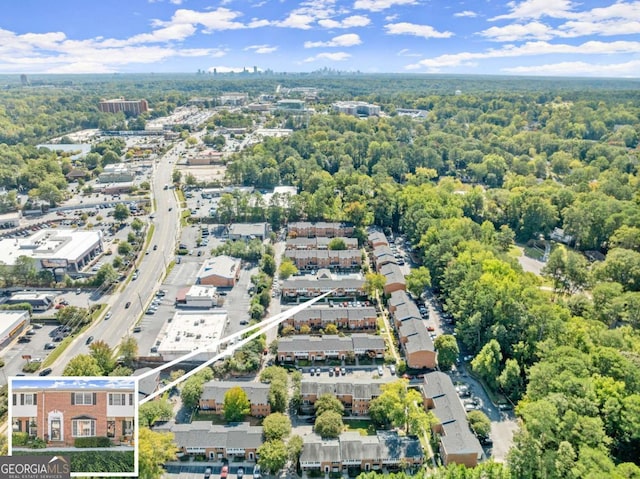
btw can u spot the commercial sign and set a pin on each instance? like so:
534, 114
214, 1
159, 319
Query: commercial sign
35, 467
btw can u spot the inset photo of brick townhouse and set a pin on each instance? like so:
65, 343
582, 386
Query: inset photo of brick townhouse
84, 418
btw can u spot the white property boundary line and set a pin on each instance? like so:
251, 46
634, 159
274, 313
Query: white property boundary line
260, 328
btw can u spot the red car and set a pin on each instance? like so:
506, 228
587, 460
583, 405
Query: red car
430, 328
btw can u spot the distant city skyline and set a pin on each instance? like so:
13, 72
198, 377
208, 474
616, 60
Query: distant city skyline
590, 38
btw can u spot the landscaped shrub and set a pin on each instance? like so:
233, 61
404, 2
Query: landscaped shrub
19, 439
31, 367
37, 443
98, 441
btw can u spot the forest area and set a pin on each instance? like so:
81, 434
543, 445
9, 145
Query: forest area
504, 161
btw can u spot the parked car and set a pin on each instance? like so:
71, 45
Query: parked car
45, 372
49, 346
240, 472
224, 473
126, 306
155, 247
137, 329
257, 472
380, 371
24, 339
89, 340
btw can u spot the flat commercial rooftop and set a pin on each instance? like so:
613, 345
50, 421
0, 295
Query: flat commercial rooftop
191, 330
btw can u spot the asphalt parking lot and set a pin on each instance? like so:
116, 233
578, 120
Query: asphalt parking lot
13, 355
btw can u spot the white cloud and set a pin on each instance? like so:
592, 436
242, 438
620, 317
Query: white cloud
348, 22
425, 31
517, 32
346, 40
216, 20
44, 41
176, 2
466, 13
391, 18
528, 49
379, 5
261, 49
405, 52
620, 18
626, 69
297, 20
334, 57
534, 9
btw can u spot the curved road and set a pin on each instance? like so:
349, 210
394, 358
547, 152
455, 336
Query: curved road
151, 268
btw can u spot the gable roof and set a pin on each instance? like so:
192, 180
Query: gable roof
203, 434
387, 446
457, 437
397, 298
258, 393
326, 314
417, 336
223, 266
393, 273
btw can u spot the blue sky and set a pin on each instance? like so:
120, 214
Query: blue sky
73, 382
520, 37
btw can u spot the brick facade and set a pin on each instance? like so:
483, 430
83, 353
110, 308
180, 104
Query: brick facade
60, 416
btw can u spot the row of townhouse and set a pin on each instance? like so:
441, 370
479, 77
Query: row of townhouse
213, 392
345, 318
320, 348
310, 259
319, 228
237, 441
320, 242
386, 450
59, 416
311, 286
240, 442
355, 393
457, 444
385, 262
414, 338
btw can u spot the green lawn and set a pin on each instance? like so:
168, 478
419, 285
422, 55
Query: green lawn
365, 427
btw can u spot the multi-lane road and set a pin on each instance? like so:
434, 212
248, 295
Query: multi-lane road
152, 266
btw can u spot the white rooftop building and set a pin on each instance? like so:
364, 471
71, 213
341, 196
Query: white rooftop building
54, 248
356, 108
191, 330
200, 296
12, 323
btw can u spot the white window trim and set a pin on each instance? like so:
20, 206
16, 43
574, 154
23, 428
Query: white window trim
75, 423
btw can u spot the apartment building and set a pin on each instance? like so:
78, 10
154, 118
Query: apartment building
238, 441
320, 348
414, 338
319, 228
320, 242
346, 318
310, 286
213, 392
311, 259
395, 278
61, 415
458, 445
355, 393
352, 451
120, 104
